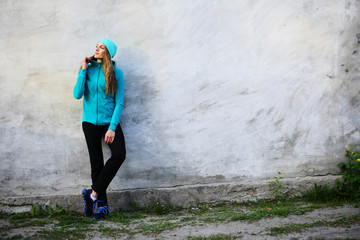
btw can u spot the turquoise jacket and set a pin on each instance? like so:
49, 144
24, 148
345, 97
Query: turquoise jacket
98, 107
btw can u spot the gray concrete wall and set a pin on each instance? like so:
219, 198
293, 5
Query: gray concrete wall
215, 91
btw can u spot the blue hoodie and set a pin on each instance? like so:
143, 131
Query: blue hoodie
98, 107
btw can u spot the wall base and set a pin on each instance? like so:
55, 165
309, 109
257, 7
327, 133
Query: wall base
184, 196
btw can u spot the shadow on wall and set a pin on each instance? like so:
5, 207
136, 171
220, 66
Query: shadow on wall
144, 166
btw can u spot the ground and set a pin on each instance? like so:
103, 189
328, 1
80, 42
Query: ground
290, 219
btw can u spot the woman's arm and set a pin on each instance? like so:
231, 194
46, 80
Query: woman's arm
119, 100
80, 83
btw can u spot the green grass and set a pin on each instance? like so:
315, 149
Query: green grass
188, 219
321, 238
59, 233
64, 223
298, 227
266, 209
122, 217
327, 194
4, 215
215, 237
30, 223
59, 222
73, 221
114, 232
156, 208
18, 236
158, 227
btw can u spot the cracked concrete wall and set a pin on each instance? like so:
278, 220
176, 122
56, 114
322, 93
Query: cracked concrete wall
215, 91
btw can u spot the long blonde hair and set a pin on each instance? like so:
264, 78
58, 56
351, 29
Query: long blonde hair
109, 74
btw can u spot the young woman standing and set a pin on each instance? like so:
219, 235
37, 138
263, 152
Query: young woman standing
101, 85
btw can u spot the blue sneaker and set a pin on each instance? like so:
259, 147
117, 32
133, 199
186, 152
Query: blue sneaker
89, 204
101, 213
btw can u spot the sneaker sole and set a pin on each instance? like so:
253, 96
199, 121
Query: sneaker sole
99, 219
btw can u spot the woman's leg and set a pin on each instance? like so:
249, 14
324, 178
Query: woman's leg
93, 136
108, 172
93, 140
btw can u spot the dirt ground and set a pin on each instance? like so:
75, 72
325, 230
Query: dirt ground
259, 229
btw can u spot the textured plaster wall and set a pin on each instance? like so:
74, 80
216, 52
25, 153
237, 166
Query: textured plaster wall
215, 91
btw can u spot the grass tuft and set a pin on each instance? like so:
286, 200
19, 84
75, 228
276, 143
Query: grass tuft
57, 233
114, 232
215, 237
158, 227
298, 227
266, 209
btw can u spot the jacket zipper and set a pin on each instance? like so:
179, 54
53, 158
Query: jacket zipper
97, 97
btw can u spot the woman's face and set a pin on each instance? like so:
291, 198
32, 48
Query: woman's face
100, 50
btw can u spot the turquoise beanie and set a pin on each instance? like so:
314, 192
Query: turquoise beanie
110, 45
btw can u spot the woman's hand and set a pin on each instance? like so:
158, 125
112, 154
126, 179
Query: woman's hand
85, 62
109, 136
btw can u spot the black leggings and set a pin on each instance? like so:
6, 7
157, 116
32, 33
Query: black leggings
101, 174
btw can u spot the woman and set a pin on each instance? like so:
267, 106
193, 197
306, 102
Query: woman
102, 86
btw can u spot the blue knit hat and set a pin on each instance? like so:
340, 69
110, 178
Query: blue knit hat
110, 45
